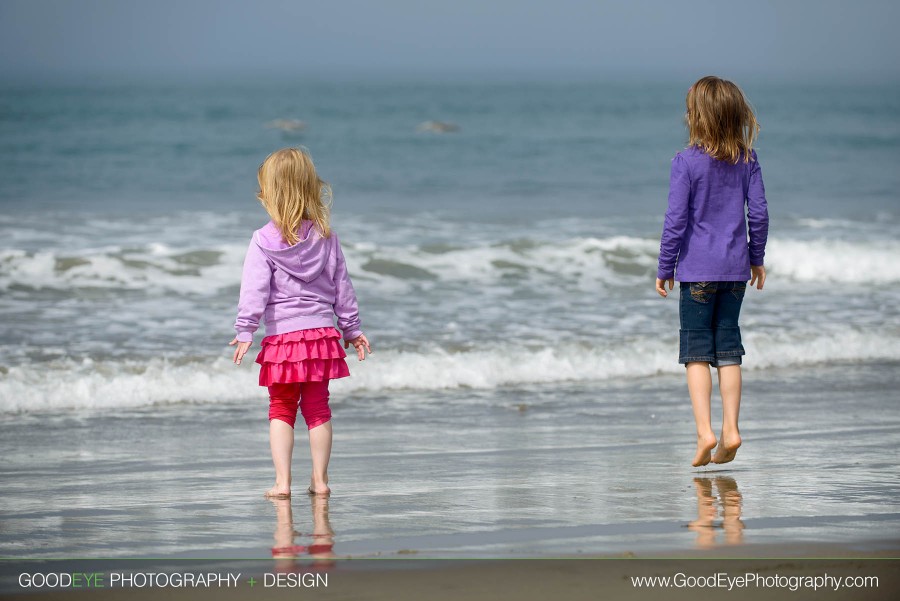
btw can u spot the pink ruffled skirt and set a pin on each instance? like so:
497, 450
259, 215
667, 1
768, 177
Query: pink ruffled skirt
313, 355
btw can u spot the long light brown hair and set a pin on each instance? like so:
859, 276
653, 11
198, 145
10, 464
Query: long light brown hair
291, 191
720, 120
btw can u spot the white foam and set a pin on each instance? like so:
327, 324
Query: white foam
69, 384
582, 262
113, 385
153, 268
835, 260
530, 263
636, 358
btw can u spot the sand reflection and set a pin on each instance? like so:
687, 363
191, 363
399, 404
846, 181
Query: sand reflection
717, 497
289, 546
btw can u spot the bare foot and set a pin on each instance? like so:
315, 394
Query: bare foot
318, 487
321, 489
705, 445
278, 492
728, 447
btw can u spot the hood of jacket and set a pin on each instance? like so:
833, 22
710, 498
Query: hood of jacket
304, 260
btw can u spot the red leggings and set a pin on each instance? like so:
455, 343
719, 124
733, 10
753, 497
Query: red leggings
313, 399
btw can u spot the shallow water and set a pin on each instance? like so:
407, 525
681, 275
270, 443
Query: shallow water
543, 470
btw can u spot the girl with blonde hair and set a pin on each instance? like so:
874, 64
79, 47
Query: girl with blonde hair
295, 279
713, 241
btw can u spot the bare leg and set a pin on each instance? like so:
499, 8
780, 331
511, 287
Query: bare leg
281, 439
320, 451
730, 387
700, 389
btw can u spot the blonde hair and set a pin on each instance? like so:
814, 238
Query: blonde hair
720, 120
291, 191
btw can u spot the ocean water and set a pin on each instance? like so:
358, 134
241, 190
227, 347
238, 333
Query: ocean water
500, 268
520, 249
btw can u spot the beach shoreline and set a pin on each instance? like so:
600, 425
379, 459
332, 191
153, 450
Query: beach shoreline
557, 472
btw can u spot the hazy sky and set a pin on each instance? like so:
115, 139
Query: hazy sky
810, 39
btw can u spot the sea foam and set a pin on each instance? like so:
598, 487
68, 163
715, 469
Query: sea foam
615, 260
113, 385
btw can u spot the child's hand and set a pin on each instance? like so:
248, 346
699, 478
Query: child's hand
661, 286
241, 350
361, 344
757, 276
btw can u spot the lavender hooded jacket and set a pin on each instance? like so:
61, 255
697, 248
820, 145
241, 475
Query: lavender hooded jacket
705, 232
295, 287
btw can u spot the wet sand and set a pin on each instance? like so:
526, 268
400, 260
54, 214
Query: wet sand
530, 473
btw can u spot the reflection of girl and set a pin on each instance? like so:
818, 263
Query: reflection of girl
322, 548
296, 279
705, 247
730, 502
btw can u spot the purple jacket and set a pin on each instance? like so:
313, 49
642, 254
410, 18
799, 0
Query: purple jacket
295, 287
705, 232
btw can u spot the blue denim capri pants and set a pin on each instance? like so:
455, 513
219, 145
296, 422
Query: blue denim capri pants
709, 314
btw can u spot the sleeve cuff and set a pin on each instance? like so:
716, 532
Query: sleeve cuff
352, 334
665, 275
245, 336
